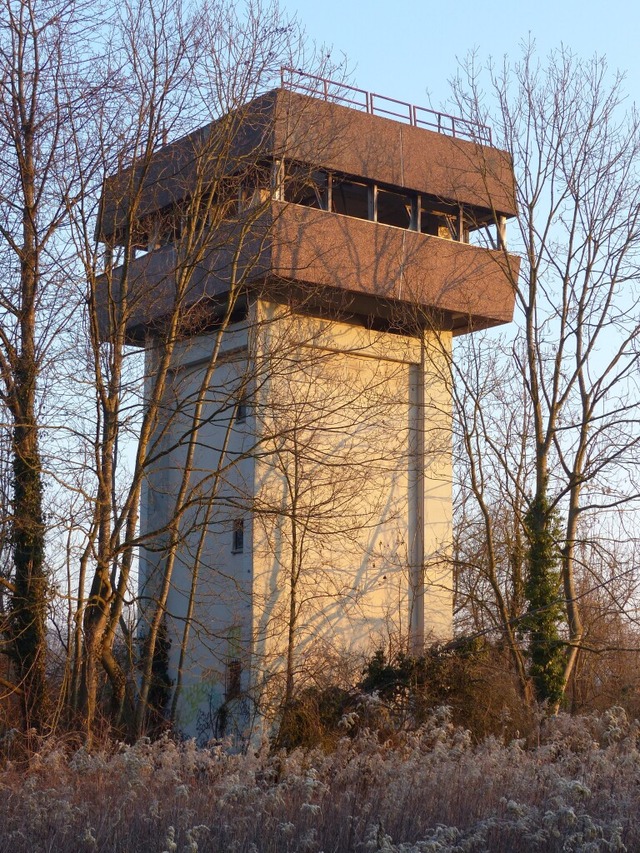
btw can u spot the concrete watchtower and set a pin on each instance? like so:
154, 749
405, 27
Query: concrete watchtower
296, 272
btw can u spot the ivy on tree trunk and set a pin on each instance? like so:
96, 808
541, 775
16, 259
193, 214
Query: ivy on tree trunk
542, 592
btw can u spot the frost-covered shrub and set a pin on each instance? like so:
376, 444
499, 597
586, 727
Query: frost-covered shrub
433, 789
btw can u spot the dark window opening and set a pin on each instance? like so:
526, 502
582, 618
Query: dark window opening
233, 685
350, 198
395, 209
435, 222
241, 409
450, 222
157, 230
200, 216
237, 541
306, 187
255, 188
145, 235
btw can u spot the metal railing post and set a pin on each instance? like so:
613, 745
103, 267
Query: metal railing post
351, 96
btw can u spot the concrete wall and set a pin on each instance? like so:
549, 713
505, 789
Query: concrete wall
341, 472
204, 493
354, 491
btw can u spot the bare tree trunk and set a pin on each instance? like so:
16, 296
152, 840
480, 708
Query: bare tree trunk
576, 155
29, 605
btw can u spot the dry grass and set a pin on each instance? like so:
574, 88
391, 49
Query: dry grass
577, 789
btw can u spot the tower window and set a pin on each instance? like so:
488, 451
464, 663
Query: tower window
351, 198
255, 188
233, 687
306, 187
223, 203
237, 539
395, 209
241, 409
362, 199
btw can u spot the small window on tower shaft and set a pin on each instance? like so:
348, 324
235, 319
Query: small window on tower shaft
233, 679
237, 542
241, 409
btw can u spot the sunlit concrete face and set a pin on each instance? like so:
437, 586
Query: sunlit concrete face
337, 474
360, 428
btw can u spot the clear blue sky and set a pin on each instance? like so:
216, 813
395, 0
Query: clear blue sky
408, 48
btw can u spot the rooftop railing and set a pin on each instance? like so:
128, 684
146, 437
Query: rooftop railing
381, 105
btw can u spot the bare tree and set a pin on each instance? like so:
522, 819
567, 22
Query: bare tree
194, 207
559, 427
44, 79
70, 117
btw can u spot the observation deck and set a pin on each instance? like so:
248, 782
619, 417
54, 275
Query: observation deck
350, 202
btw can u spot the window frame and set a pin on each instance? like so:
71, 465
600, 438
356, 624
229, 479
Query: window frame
241, 409
237, 535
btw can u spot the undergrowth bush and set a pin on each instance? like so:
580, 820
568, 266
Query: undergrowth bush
398, 693
432, 790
